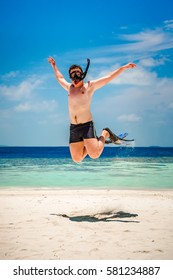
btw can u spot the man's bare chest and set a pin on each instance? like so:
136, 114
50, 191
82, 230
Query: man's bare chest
79, 96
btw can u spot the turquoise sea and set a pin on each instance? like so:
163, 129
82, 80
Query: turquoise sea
118, 168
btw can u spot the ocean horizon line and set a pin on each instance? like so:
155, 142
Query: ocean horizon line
66, 146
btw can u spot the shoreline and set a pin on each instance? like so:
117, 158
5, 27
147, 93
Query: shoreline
83, 188
76, 224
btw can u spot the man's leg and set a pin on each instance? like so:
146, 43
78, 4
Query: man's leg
94, 146
78, 151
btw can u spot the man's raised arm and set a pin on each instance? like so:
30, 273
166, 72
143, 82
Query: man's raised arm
60, 78
103, 81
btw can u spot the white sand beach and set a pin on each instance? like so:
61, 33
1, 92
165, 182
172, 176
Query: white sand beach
86, 224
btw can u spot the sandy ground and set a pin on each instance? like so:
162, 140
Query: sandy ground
86, 224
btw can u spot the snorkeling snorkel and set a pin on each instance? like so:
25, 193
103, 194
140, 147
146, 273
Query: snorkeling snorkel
86, 70
80, 76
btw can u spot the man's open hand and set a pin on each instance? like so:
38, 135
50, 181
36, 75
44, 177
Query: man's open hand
130, 65
51, 60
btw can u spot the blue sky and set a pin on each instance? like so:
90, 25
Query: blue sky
33, 107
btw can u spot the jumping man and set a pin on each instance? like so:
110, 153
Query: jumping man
83, 138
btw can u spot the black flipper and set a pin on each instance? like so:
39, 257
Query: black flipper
115, 139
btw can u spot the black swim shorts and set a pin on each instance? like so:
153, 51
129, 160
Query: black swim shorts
79, 132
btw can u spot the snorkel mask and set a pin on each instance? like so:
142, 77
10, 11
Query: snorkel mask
77, 75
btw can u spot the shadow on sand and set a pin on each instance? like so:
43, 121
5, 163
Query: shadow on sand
102, 217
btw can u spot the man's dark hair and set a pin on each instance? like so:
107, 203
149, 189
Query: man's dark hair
75, 66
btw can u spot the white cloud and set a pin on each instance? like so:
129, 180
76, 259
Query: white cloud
168, 24
20, 91
43, 106
124, 27
138, 76
9, 75
148, 97
134, 46
23, 107
102, 60
151, 62
152, 37
147, 41
129, 118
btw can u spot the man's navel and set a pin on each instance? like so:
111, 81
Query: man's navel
75, 119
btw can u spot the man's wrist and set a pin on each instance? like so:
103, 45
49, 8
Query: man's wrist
123, 67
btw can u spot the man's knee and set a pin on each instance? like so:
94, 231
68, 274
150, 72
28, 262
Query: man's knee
94, 154
76, 158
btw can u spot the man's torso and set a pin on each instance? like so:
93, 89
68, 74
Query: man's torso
79, 100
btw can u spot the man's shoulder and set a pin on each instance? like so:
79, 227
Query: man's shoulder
89, 84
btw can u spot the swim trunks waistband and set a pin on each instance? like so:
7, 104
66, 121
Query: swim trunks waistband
81, 124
